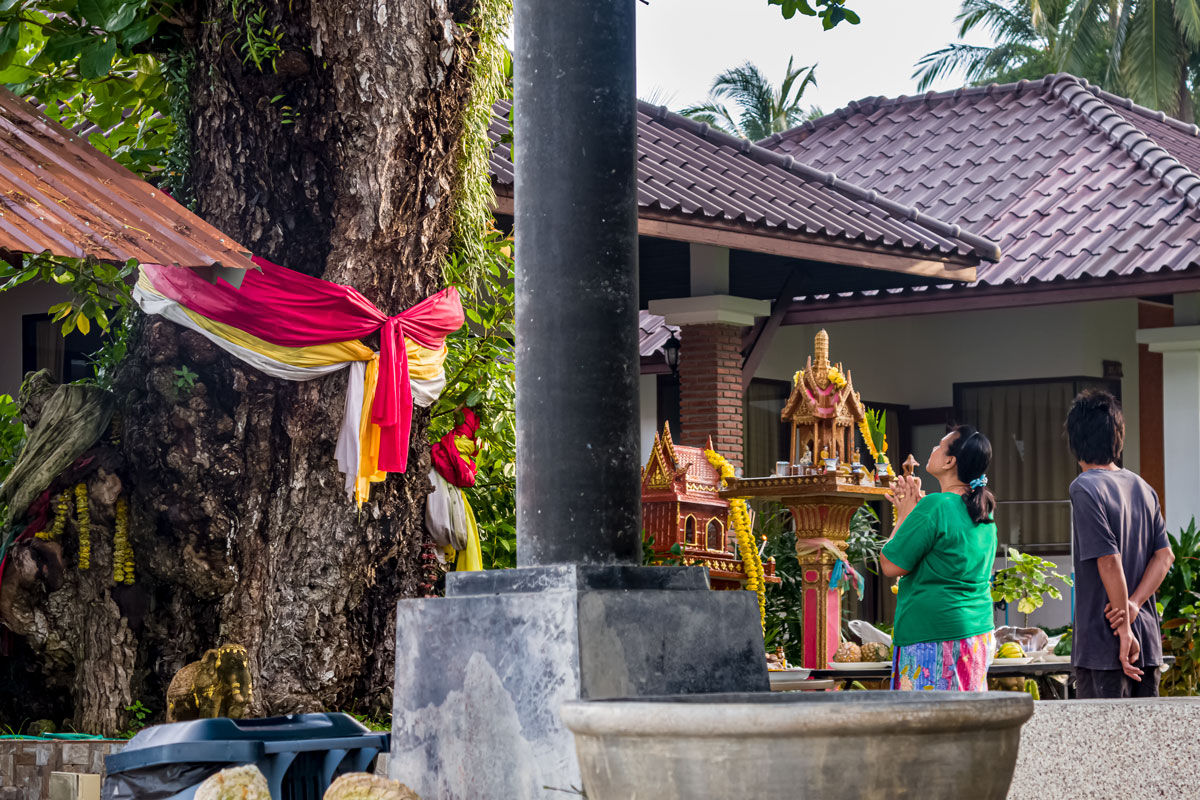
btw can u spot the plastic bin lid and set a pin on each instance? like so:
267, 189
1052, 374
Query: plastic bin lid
235, 740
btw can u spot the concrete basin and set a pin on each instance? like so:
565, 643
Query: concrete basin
814, 746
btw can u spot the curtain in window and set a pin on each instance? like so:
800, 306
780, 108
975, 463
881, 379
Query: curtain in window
762, 430
50, 349
1032, 466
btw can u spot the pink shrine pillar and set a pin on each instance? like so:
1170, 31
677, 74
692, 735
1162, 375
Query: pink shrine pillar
828, 519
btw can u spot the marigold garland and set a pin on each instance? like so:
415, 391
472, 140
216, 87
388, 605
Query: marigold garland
62, 504
83, 520
122, 551
865, 430
739, 521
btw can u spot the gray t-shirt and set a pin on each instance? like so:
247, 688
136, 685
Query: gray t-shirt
1115, 512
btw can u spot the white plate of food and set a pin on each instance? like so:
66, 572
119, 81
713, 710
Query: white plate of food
857, 665
1011, 662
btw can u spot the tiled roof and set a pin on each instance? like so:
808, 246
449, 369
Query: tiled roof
1072, 182
690, 170
653, 333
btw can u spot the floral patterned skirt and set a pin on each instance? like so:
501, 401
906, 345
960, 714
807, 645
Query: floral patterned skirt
960, 665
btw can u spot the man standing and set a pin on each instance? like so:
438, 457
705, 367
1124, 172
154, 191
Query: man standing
1121, 556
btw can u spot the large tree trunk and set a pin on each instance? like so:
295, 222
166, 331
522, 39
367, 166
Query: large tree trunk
357, 189
341, 162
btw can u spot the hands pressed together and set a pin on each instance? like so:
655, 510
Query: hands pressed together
905, 494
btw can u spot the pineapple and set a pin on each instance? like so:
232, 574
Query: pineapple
848, 652
876, 651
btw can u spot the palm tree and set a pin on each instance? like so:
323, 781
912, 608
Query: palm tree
759, 108
1026, 34
1148, 50
1151, 47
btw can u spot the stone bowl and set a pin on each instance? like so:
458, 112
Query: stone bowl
819, 745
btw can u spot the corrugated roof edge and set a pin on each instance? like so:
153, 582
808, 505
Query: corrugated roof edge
956, 289
1085, 99
982, 247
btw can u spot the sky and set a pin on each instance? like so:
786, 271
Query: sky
683, 44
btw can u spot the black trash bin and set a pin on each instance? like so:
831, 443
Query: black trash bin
299, 754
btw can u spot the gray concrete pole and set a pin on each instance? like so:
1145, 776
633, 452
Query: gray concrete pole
575, 142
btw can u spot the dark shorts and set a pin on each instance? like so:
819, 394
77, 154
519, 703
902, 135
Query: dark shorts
1114, 683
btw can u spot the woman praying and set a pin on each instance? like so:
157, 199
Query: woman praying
943, 549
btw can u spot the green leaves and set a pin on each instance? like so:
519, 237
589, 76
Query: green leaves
1179, 605
1026, 581
1154, 57
96, 58
109, 15
12, 434
831, 12
185, 378
480, 375
99, 289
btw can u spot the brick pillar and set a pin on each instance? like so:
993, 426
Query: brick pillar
710, 388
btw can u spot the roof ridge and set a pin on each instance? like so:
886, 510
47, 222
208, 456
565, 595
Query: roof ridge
872, 104
1145, 151
983, 247
1145, 111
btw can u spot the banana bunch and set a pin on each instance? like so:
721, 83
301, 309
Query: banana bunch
1010, 650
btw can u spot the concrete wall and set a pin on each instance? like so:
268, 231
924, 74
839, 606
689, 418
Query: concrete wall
34, 297
1103, 749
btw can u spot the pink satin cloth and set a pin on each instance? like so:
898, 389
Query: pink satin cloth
291, 309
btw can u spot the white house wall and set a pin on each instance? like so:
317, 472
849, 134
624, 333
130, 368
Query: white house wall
916, 361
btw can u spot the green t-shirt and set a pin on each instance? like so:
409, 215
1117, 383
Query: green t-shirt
946, 594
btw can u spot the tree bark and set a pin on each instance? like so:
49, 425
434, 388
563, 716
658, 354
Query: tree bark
340, 162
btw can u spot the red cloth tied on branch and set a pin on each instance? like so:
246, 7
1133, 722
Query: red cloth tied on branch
291, 309
449, 458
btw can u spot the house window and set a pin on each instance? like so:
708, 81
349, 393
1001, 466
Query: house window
1032, 466
44, 347
689, 530
714, 535
765, 437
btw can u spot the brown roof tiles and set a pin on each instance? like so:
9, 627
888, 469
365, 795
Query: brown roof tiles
691, 170
1070, 181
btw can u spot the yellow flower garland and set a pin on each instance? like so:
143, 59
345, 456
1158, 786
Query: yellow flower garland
865, 430
739, 521
62, 505
122, 551
83, 519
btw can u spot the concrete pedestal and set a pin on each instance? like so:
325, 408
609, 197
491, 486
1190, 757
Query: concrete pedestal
481, 674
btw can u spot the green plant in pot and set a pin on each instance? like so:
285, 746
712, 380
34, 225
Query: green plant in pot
1179, 608
1026, 581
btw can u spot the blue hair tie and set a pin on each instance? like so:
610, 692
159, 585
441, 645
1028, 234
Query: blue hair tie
979, 482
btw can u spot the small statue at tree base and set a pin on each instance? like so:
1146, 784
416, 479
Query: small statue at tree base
218, 685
